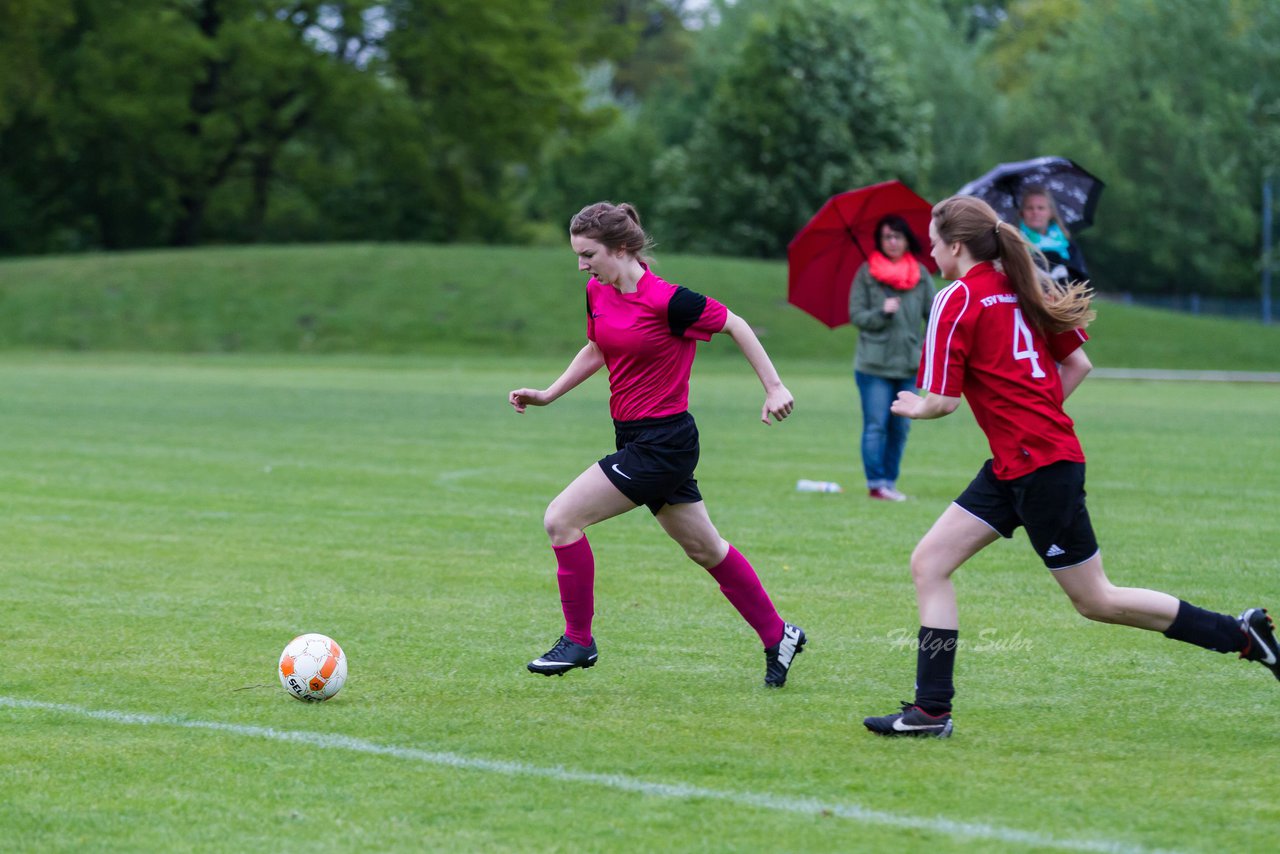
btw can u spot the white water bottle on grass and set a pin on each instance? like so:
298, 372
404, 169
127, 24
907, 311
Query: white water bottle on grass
817, 486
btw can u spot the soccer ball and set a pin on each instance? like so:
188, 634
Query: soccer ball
313, 667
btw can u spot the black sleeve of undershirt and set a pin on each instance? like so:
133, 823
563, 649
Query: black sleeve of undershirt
685, 308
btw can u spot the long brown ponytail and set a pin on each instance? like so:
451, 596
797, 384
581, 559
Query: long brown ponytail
1049, 306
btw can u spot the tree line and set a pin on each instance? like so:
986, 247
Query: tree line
145, 123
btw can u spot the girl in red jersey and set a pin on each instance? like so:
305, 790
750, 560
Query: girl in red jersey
645, 331
1009, 342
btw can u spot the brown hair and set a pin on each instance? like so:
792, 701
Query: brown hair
615, 226
1054, 216
1049, 306
899, 225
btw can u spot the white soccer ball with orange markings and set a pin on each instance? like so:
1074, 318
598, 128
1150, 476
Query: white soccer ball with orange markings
313, 667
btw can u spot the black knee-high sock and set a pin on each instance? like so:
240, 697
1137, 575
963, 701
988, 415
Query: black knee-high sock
935, 663
1218, 632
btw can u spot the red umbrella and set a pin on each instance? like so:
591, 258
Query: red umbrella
824, 256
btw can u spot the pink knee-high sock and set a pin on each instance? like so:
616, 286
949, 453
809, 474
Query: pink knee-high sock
741, 586
576, 575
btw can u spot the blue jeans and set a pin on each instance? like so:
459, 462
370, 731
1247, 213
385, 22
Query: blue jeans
884, 435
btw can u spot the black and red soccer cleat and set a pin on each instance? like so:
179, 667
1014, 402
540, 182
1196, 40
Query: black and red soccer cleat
911, 721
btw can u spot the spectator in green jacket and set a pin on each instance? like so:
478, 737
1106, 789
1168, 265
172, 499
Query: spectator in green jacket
889, 303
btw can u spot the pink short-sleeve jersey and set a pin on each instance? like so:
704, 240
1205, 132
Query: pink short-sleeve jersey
649, 339
979, 345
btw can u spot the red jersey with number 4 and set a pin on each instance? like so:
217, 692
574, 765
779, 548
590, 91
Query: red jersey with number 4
980, 346
649, 339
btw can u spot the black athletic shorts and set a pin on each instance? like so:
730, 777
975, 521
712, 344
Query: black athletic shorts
655, 461
1049, 503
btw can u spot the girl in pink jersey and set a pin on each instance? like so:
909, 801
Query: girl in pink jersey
1009, 342
645, 331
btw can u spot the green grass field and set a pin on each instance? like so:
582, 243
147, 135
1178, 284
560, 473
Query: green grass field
168, 523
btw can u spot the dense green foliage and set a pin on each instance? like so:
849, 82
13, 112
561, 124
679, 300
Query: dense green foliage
394, 298
169, 523
1183, 122
153, 122
177, 122
805, 109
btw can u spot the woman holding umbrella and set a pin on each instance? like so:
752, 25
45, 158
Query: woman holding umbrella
1048, 197
889, 303
1044, 229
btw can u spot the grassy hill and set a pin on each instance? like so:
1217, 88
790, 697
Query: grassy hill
396, 298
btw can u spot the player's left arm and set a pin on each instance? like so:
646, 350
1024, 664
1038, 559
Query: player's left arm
778, 401
941, 364
1073, 369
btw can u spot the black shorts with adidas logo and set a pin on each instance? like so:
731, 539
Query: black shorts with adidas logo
1049, 503
655, 460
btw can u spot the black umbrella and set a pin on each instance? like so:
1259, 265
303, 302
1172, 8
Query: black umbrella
1075, 191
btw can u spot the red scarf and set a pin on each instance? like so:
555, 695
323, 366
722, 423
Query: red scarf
901, 275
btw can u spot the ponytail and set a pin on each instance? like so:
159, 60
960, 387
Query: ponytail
1047, 305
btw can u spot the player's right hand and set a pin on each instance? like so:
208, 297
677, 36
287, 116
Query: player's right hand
522, 397
908, 404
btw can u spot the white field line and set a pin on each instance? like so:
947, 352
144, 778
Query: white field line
1185, 376
677, 791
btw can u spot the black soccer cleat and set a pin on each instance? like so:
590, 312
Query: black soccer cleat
1260, 639
912, 720
563, 657
778, 658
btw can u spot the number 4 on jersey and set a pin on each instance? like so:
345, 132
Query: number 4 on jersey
1023, 345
